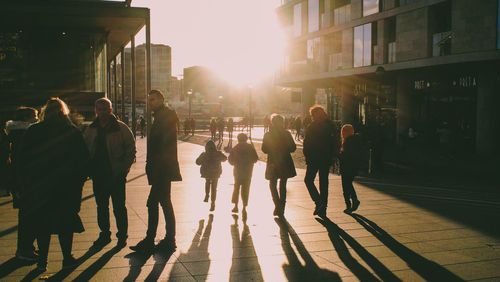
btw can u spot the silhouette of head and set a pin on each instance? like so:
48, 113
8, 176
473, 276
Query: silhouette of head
242, 138
210, 146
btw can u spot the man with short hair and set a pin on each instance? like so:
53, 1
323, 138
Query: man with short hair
112, 149
320, 147
162, 167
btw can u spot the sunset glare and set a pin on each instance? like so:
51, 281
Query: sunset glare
239, 39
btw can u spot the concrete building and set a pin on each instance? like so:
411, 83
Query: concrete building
161, 70
176, 86
421, 64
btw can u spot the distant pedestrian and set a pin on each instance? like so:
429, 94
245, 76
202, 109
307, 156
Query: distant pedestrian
221, 124
112, 151
243, 157
267, 123
187, 126
350, 160
320, 149
213, 128
306, 121
16, 128
230, 128
143, 126
162, 167
192, 125
211, 169
52, 161
298, 128
278, 144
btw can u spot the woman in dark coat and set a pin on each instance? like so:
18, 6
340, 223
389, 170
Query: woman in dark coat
278, 144
52, 165
350, 158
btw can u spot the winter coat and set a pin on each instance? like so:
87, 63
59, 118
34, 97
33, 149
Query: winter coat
351, 156
120, 145
210, 162
243, 156
278, 144
52, 160
161, 160
321, 143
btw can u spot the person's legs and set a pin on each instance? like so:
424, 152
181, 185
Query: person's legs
25, 237
213, 188
236, 192
120, 210
152, 205
102, 193
346, 189
168, 211
207, 189
323, 187
245, 192
311, 172
43, 241
282, 195
274, 194
66, 243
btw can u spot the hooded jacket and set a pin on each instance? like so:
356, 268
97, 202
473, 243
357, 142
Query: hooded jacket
210, 161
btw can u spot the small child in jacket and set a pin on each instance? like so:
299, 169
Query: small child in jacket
211, 169
243, 156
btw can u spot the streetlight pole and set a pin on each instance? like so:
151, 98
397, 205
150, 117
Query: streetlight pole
220, 105
250, 122
190, 94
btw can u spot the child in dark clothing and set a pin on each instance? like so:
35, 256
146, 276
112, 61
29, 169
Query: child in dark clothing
243, 156
350, 158
211, 169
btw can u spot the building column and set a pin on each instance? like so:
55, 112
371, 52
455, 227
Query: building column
487, 119
122, 60
148, 71
132, 59
308, 99
115, 86
347, 103
403, 106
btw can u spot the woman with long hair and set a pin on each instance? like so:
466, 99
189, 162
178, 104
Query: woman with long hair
350, 154
52, 164
278, 144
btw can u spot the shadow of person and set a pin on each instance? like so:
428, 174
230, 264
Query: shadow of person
427, 269
244, 256
63, 273
294, 270
11, 265
339, 239
136, 262
92, 270
198, 249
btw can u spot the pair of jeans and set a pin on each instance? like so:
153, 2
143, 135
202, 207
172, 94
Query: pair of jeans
160, 194
321, 197
105, 188
242, 185
279, 199
348, 188
211, 188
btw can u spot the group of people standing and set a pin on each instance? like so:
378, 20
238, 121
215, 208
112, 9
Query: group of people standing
52, 159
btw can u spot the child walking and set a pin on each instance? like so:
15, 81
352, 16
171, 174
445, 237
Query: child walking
243, 156
350, 157
211, 169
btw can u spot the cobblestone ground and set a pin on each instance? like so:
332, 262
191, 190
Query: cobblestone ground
402, 231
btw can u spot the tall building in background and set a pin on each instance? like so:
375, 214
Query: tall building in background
426, 65
161, 71
176, 85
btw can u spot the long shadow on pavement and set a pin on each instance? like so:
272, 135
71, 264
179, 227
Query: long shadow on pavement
198, 248
136, 262
294, 270
240, 262
92, 270
339, 239
8, 231
427, 269
11, 265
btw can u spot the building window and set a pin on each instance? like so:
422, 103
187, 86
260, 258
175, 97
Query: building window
297, 20
391, 40
404, 2
370, 7
313, 15
363, 45
342, 15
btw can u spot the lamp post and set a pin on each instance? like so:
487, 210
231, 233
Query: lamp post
220, 105
250, 121
190, 95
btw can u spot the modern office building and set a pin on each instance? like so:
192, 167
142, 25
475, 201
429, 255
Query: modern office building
420, 64
176, 86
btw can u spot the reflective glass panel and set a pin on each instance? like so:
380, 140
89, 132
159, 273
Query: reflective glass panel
358, 46
313, 15
297, 20
367, 44
370, 7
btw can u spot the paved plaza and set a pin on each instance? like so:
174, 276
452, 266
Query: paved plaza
402, 231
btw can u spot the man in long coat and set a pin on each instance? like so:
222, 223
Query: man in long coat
162, 167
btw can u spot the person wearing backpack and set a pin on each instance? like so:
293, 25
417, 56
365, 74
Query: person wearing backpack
211, 169
350, 158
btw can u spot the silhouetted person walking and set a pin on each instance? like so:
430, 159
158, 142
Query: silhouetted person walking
211, 169
24, 117
142, 124
220, 127
350, 159
320, 148
243, 156
112, 151
52, 161
213, 128
162, 167
298, 128
192, 125
278, 144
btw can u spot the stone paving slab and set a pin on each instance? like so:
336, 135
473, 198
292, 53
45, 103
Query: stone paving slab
393, 238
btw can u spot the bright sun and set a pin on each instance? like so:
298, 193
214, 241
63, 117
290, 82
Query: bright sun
239, 39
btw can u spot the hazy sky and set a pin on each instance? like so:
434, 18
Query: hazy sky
239, 39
